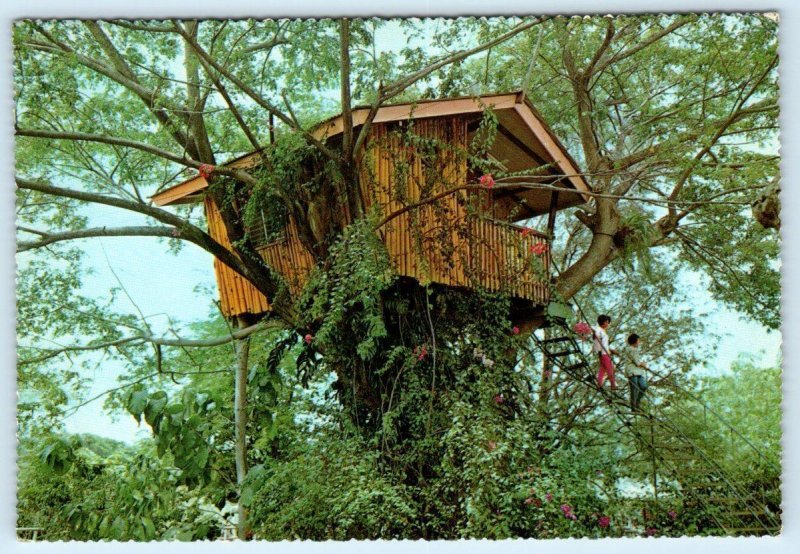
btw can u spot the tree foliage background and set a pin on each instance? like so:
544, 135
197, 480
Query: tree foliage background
355, 433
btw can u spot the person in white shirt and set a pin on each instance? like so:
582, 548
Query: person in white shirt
635, 370
602, 348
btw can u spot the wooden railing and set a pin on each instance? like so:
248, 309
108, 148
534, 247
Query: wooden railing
502, 259
472, 252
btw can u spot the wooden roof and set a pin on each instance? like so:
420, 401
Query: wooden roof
523, 141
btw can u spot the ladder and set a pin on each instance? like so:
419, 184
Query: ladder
732, 509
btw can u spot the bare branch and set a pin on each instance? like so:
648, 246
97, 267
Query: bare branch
603, 47
146, 338
50, 238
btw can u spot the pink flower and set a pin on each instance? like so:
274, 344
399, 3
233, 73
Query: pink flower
567, 509
526, 231
487, 180
515, 330
420, 352
528, 501
582, 328
205, 170
673, 515
573, 517
548, 497
498, 398
650, 532
547, 374
539, 248
604, 521
308, 338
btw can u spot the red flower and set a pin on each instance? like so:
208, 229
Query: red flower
526, 231
537, 502
515, 330
582, 328
604, 521
487, 180
538, 248
205, 170
650, 532
498, 398
548, 497
420, 352
567, 509
673, 515
308, 338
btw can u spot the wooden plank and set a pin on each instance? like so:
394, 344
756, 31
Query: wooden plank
417, 110
197, 183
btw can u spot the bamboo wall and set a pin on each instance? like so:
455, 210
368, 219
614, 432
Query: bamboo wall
236, 294
443, 242
287, 256
446, 242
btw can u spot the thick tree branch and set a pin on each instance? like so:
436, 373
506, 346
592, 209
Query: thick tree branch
386, 93
266, 280
347, 112
115, 141
589, 70
249, 91
197, 127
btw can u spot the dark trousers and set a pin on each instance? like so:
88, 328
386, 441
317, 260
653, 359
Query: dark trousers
638, 386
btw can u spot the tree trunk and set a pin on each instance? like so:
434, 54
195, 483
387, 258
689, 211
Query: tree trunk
240, 423
604, 223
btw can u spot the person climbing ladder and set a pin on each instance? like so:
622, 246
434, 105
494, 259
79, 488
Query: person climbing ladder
602, 348
635, 370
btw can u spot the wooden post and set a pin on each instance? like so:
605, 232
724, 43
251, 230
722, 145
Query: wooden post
551, 215
271, 128
240, 422
655, 465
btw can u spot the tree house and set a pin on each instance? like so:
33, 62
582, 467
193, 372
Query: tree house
441, 225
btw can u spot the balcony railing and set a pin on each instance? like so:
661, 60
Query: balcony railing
505, 258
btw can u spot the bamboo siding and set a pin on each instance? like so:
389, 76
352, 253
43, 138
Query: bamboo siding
444, 242
236, 294
441, 242
287, 256
501, 260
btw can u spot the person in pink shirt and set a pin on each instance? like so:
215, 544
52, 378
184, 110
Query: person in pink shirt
601, 346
